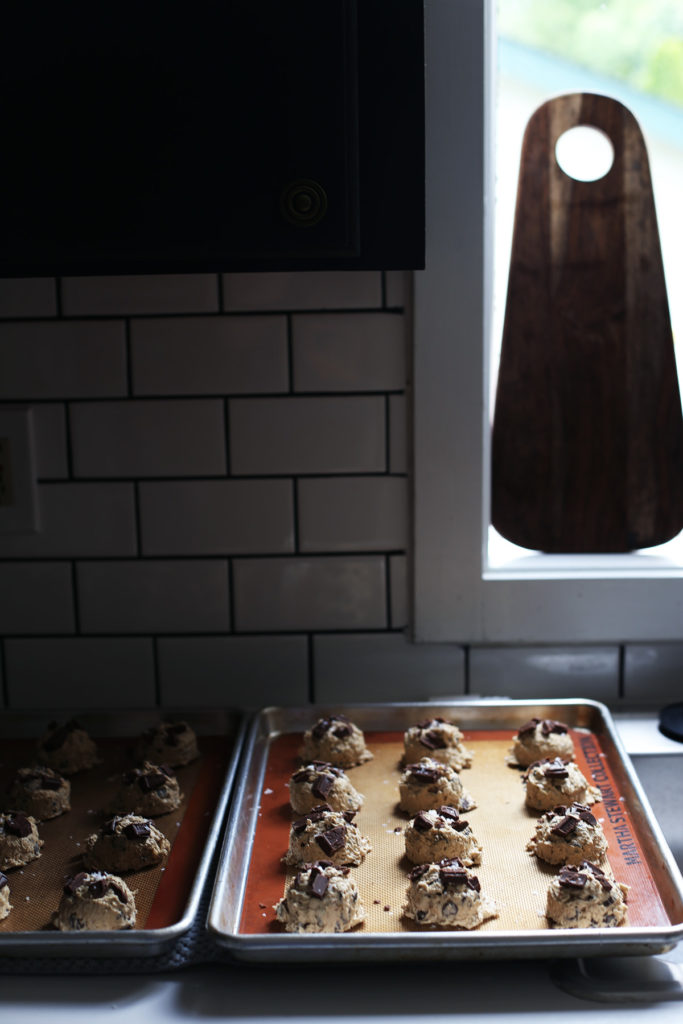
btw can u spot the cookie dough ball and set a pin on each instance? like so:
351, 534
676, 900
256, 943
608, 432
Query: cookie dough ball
128, 843
172, 743
95, 901
324, 834
321, 898
41, 792
429, 784
336, 740
151, 791
541, 738
448, 895
19, 840
438, 739
582, 896
320, 782
5, 905
568, 835
67, 748
554, 781
441, 834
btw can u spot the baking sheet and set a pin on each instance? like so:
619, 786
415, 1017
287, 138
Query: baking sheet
251, 877
166, 895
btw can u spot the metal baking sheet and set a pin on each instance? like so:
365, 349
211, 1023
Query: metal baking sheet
250, 877
169, 894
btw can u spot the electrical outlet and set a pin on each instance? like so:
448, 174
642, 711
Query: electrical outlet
18, 494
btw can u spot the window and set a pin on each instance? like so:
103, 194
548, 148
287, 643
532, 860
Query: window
459, 595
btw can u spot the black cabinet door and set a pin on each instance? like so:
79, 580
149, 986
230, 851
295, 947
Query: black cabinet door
235, 135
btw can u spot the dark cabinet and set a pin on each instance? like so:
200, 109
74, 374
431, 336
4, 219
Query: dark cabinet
152, 137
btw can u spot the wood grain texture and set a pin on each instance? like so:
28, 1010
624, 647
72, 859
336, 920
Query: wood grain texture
587, 447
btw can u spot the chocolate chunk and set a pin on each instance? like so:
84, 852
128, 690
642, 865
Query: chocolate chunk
549, 726
342, 731
433, 740
418, 872
589, 818
317, 882
75, 883
322, 786
560, 809
424, 773
50, 782
118, 892
17, 824
422, 823
109, 827
316, 814
332, 840
98, 888
426, 723
323, 726
571, 878
348, 816
3, 880
450, 813
555, 769
452, 874
151, 781
56, 739
565, 826
137, 830
528, 727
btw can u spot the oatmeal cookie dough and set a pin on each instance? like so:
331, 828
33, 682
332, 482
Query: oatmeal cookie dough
324, 834
321, 898
582, 896
553, 781
336, 740
448, 895
430, 784
20, 842
541, 738
128, 843
41, 792
171, 743
5, 905
95, 901
67, 748
320, 782
438, 739
441, 834
151, 791
568, 835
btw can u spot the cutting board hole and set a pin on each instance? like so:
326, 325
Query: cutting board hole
584, 153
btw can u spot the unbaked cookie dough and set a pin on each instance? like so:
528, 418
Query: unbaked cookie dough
19, 840
41, 792
324, 834
128, 843
441, 834
151, 791
5, 905
438, 739
321, 898
430, 784
95, 901
447, 895
336, 740
553, 781
67, 748
582, 896
320, 782
541, 738
171, 743
568, 835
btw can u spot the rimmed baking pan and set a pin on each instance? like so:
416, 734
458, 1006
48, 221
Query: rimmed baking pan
167, 896
251, 877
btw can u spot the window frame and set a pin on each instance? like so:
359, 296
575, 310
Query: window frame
456, 597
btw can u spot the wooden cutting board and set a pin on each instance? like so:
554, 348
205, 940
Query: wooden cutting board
587, 447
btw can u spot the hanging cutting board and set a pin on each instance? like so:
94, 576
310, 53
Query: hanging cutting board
587, 447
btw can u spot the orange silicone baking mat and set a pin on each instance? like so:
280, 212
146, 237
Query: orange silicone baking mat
161, 892
514, 878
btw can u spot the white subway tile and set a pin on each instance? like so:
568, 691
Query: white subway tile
62, 359
135, 294
78, 520
28, 296
653, 673
153, 597
398, 589
307, 435
209, 355
182, 437
385, 667
209, 517
303, 290
49, 434
80, 672
310, 593
362, 513
542, 672
247, 672
398, 288
398, 434
36, 597
349, 352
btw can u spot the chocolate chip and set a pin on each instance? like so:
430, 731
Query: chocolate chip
137, 830
332, 840
422, 823
565, 826
17, 824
